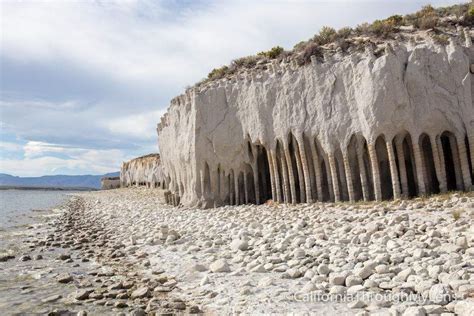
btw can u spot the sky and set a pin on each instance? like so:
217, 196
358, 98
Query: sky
84, 83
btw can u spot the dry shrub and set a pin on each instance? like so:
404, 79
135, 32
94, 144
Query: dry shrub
456, 214
272, 53
311, 49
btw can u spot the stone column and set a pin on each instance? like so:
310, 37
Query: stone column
342, 175
375, 171
329, 177
304, 163
403, 168
214, 187
466, 173
224, 187
286, 184
419, 168
442, 161
350, 184
263, 177
438, 166
203, 184
317, 171
290, 174
246, 189
335, 183
237, 189
456, 162
256, 182
272, 174
299, 168
471, 150
393, 170
363, 173
276, 173
231, 187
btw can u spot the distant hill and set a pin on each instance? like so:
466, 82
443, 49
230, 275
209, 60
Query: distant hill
83, 181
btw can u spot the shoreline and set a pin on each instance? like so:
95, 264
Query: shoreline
46, 188
63, 265
249, 259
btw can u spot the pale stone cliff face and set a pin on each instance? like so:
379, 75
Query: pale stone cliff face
352, 127
142, 171
108, 183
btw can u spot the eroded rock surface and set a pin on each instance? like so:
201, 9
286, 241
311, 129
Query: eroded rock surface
391, 121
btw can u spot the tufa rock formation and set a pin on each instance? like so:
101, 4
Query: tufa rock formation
142, 171
357, 126
107, 183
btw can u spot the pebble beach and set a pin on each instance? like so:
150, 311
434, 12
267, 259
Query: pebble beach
124, 251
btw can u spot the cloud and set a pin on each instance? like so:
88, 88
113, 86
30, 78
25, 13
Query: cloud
95, 75
137, 125
44, 158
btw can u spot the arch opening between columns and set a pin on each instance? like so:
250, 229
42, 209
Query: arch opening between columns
384, 168
264, 174
431, 180
451, 161
355, 169
324, 182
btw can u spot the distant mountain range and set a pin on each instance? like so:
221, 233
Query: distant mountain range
59, 181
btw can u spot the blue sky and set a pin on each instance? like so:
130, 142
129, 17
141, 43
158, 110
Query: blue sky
83, 83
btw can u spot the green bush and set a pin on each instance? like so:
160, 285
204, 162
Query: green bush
395, 20
427, 18
245, 62
441, 39
325, 36
272, 53
218, 73
300, 46
344, 32
363, 28
381, 28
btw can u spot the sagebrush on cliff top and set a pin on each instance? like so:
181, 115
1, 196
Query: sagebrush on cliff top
428, 18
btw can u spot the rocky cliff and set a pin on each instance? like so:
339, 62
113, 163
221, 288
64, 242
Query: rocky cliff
393, 120
142, 171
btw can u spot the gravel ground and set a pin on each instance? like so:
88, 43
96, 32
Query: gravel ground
125, 252
411, 257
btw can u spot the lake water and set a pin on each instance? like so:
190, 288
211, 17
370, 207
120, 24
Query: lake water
16, 206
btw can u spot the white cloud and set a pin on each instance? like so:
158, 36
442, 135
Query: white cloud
114, 64
146, 42
139, 125
10, 147
52, 165
41, 104
44, 158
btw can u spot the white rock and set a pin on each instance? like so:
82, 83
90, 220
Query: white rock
219, 266
199, 268
464, 308
204, 280
238, 244
462, 242
404, 274
441, 294
293, 273
323, 269
414, 311
353, 280
365, 271
337, 278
